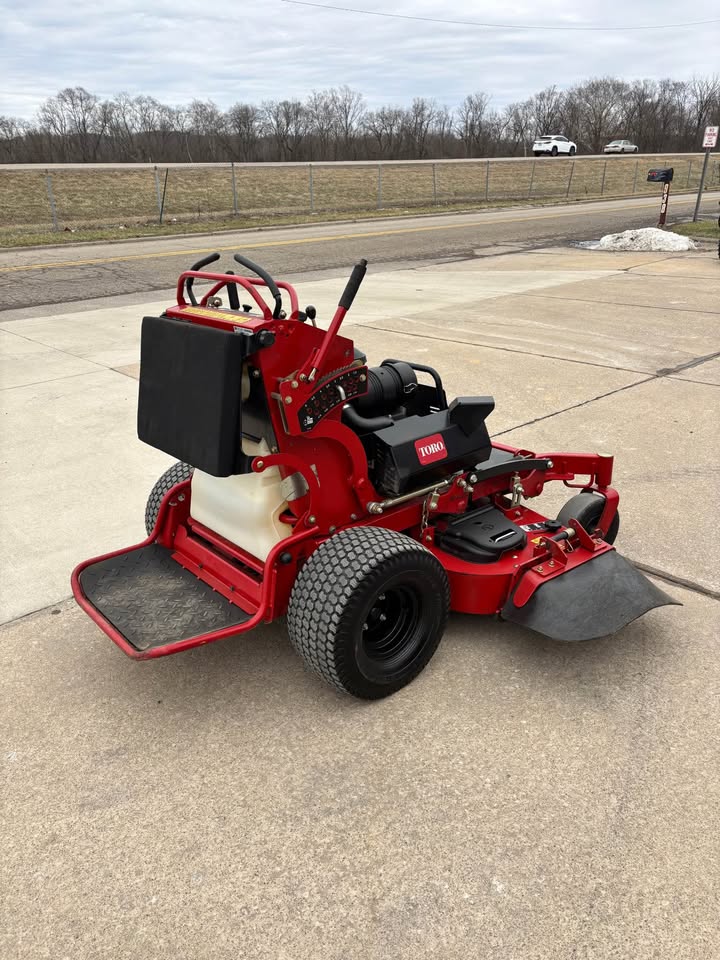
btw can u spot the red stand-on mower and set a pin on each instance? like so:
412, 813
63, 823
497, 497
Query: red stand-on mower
353, 499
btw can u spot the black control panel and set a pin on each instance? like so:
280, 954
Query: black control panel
345, 386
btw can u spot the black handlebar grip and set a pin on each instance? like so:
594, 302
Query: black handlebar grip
210, 258
353, 284
264, 275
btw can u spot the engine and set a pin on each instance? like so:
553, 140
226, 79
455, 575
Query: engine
410, 434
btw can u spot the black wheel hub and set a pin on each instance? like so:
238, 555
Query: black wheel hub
390, 632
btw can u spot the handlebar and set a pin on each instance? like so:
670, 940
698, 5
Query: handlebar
264, 275
210, 258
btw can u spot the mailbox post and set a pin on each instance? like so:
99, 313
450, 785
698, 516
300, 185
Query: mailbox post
664, 176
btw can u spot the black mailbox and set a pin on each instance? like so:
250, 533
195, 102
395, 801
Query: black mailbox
661, 175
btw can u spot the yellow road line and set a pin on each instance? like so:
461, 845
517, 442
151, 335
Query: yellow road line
301, 240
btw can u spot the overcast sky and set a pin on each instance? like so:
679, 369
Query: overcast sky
177, 50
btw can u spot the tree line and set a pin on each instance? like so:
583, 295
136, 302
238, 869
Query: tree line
336, 124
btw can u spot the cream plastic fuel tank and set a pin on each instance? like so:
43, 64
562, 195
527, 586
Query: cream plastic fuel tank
244, 509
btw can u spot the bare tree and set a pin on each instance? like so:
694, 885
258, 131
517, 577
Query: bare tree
545, 110
206, 127
320, 120
417, 123
385, 127
333, 124
13, 134
125, 129
470, 117
518, 126
286, 123
348, 110
671, 105
443, 132
243, 125
165, 130
599, 102
636, 114
704, 95
78, 119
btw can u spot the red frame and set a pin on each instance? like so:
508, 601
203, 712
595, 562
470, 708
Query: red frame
302, 359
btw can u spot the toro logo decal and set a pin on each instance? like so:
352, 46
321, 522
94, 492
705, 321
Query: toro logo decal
430, 449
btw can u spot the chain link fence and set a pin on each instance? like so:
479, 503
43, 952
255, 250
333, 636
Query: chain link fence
37, 201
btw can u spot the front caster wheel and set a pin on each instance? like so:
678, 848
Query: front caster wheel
368, 610
587, 509
171, 478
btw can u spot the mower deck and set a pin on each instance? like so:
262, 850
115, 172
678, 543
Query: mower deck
152, 601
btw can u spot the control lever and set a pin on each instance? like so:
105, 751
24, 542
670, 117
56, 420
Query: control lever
348, 295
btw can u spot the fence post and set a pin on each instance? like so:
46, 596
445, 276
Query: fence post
602, 183
51, 198
162, 203
158, 194
434, 170
234, 187
689, 172
572, 171
532, 179
487, 180
311, 188
637, 164
379, 186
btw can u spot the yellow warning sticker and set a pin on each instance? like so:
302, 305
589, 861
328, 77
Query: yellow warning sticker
225, 315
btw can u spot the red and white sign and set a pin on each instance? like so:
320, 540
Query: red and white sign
430, 449
711, 138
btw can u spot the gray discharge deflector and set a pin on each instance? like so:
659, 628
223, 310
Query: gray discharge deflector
595, 599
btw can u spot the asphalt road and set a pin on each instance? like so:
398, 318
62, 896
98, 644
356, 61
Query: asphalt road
38, 276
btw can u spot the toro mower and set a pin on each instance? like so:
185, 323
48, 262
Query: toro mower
354, 500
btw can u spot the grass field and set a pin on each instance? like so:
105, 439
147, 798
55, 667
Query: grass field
98, 203
707, 229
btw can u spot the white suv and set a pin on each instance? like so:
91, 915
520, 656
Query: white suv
554, 146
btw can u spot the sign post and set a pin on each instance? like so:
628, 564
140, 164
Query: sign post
709, 142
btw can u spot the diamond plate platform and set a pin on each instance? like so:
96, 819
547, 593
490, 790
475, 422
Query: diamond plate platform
152, 601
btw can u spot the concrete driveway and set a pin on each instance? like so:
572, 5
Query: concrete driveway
521, 800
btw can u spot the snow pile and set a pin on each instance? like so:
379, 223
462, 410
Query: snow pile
649, 238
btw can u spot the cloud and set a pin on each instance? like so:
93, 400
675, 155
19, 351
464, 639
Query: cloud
265, 49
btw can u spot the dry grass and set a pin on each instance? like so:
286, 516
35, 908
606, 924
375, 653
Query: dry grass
223, 224
91, 200
708, 229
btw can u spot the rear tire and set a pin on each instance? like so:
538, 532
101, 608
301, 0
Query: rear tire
171, 478
554, 151
368, 611
587, 509
536, 153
